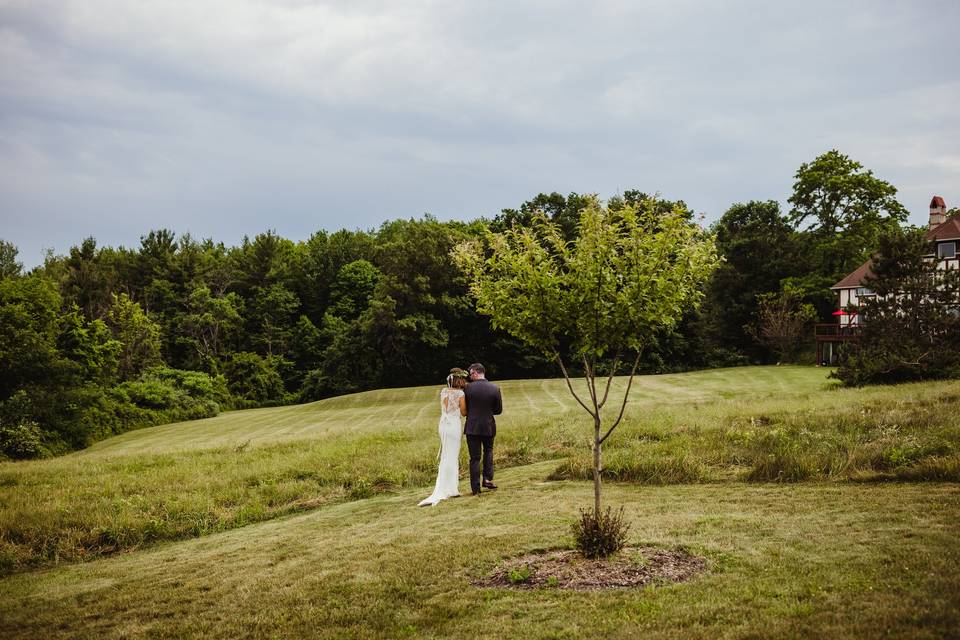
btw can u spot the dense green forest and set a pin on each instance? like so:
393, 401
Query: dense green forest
102, 339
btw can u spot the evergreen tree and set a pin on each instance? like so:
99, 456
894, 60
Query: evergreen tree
911, 328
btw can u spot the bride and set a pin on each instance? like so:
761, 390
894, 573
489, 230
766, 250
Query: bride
452, 405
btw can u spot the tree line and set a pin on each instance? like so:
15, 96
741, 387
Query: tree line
101, 340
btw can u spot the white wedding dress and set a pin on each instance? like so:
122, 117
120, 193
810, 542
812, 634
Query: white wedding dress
448, 475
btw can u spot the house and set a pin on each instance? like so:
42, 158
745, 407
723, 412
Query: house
944, 235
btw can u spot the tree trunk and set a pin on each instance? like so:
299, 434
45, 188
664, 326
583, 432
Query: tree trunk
596, 467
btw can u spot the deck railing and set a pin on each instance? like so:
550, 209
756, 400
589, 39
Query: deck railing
832, 331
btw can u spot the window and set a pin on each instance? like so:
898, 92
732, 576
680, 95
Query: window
947, 250
863, 291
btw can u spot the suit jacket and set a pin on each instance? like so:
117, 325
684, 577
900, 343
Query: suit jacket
483, 402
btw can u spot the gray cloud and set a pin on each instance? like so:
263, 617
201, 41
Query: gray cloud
229, 117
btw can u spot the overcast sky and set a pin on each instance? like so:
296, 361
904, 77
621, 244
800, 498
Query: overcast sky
230, 117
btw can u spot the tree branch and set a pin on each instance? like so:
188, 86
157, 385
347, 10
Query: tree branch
626, 394
591, 385
566, 376
613, 372
916, 363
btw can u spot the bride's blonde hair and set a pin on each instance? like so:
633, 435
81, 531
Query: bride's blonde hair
457, 378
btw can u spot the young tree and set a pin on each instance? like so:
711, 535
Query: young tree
597, 298
782, 322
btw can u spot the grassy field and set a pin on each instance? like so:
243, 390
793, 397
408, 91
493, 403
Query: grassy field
299, 521
416, 410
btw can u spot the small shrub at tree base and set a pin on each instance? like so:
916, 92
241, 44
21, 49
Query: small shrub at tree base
601, 533
520, 575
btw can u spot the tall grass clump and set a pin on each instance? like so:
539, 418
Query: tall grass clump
887, 439
637, 467
935, 468
789, 455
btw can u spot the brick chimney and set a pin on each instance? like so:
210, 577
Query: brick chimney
938, 212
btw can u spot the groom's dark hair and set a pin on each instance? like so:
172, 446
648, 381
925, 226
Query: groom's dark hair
476, 366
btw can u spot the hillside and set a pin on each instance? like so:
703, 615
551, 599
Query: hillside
415, 410
301, 521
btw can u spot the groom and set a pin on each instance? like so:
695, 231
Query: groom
483, 401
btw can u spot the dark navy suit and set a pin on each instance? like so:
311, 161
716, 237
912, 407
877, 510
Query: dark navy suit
483, 403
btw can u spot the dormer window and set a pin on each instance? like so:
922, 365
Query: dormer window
947, 250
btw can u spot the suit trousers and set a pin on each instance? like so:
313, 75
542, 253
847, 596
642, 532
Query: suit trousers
475, 444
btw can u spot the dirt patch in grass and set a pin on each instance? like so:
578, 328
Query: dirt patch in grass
567, 569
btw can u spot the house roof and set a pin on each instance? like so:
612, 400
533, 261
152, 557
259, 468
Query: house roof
946, 230
856, 278
937, 202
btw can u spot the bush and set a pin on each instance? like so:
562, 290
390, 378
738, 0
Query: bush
199, 409
600, 534
316, 386
53, 419
254, 379
21, 441
159, 396
150, 394
197, 384
188, 394
113, 413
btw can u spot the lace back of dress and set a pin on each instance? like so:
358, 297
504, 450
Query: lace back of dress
450, 401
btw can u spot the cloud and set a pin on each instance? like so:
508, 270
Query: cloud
230, 117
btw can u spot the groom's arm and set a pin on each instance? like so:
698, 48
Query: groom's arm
498, 403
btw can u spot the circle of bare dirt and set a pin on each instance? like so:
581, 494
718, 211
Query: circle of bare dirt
567, 569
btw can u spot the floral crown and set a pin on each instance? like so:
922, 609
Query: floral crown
454, 375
